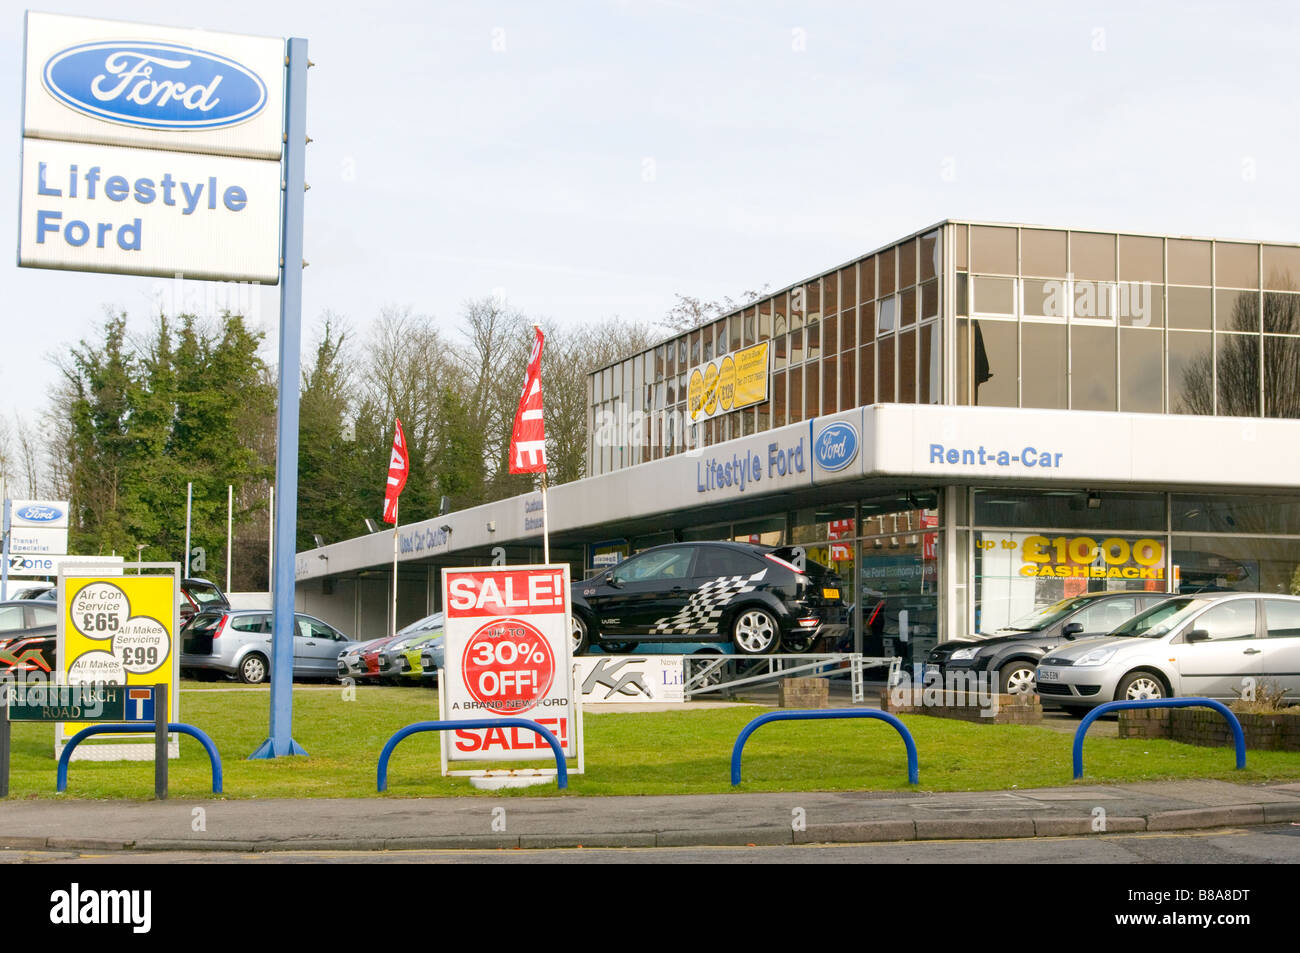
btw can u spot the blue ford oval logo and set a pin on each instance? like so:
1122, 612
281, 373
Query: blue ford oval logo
40, 514
154, 85
836, 446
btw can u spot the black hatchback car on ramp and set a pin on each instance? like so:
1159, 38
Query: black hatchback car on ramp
753, 596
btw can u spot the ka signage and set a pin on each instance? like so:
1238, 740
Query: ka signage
151, 150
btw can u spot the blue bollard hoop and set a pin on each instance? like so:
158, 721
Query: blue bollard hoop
913, 773
61, 783
1237, 735
561, 765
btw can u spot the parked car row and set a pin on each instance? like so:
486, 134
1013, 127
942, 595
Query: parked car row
1081, 652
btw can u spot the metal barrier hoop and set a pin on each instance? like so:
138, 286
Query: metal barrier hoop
561, 766
1237, 734
913, 773
61, 783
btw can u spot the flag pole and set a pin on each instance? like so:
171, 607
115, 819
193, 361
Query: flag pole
397, 505
546, 530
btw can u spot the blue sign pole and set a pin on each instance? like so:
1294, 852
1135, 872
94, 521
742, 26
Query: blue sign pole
4, 568
281, 742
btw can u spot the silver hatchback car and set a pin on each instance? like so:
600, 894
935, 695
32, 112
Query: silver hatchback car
238, 642
1217, 645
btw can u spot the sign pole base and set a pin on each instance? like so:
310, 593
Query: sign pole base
269, 750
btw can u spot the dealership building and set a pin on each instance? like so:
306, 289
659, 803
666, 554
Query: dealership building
966, 423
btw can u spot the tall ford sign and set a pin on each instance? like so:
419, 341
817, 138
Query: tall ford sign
151, 150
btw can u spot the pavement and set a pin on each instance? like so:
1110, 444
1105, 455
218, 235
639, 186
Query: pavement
468, 823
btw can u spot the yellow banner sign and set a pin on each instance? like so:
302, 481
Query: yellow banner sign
729, 382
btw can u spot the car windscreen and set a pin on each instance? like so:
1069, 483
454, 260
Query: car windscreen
1044, 616
1160, 619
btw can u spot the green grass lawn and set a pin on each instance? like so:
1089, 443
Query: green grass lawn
683, 752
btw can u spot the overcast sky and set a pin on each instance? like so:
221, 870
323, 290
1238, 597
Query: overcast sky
589, 159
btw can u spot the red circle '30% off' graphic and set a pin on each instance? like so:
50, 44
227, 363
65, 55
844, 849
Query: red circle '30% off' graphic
508, 666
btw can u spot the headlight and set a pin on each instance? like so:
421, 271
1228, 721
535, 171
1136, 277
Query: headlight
1097, 656
962, 655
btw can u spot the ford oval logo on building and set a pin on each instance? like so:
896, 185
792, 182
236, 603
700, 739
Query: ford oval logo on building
40, 514
836, 446
154, 85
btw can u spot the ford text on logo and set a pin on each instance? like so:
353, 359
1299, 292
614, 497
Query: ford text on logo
40, 514
836, 446
154, 85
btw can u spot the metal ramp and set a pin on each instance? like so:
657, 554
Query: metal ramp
723, 674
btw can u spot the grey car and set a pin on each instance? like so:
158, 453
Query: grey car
238, 642
1216, 645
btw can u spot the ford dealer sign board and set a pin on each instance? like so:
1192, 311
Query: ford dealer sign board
151, 150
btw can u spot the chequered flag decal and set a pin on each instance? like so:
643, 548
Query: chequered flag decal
703, 610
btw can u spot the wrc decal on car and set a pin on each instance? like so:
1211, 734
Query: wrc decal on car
704, 608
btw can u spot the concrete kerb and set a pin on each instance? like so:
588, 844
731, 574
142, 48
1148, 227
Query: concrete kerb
880, 831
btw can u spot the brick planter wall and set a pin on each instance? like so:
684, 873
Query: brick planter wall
1276, 731
803, 693
1011, 709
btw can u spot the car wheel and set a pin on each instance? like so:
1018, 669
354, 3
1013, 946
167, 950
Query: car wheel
581, 637
252, 670
1137, 686
619, 648
714, 677
1017, 678
798, 644
755, 632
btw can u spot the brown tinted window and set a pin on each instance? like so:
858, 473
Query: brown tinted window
907, 264
1189, 308
1281, 268
885, 273
830, 396
867, 375
907, 301
866, 321
1092, 355
848, 379
1191, 373
993, 249
1236, 265
1282, 315
1281, 376
928, 370
1141, 376
778, 399
848, 329
995, 363
929, 300
963, 362
959, 243
1092, 255
1236, 310
764, 329
830, 294
1044, 368
811, 391
830, 335
928, 257
1237, 375
907, 367
796, 394
813, 301
1189, 262
885, 371
1141, 259
867, 279
848, 287
1042, 252
995, 296
813, 339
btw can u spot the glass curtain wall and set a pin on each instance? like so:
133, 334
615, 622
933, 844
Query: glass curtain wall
1108, 321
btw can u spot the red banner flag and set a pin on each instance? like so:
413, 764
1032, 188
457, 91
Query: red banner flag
528, 439
399, 465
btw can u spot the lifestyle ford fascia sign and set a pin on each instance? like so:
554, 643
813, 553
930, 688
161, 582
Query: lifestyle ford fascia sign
154, 85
